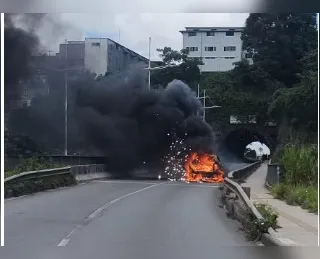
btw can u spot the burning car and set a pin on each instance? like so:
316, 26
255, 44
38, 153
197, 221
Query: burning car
202, 167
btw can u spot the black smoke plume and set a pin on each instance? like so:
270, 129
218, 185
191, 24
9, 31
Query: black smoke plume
19, 46
117, 117
132, 125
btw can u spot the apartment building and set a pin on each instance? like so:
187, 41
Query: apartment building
219, 47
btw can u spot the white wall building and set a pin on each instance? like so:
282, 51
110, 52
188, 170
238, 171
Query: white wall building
105, 55
219, 47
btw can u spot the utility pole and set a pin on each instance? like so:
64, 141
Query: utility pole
66, 103
149, 67
204, 105
204, 97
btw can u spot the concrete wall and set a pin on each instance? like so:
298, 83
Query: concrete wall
109, 56
120, 57
96, 55
73, 53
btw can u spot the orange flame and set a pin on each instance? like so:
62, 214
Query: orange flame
203, 168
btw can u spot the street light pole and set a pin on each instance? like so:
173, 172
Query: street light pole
66, 104
204, 105
149, 67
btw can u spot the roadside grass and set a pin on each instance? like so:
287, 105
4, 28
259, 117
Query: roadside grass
299, 184
299, 195
31, 164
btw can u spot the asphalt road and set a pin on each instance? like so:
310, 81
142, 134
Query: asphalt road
123, 219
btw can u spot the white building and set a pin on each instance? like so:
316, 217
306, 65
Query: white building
219, 47
105, 55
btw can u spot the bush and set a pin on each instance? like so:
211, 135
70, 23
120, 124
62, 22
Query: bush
37, 185
300, 177
257, 227
279, 191
31, 164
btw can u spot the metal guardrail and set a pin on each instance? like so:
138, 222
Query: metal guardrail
35, 181
37, 174
234, 187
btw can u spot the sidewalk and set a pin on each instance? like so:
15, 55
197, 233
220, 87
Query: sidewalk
298, 226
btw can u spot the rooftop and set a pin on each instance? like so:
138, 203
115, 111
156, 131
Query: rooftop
205, 29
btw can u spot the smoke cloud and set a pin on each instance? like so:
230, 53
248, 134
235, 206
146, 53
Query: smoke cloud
132, 125
19, 47
116, 116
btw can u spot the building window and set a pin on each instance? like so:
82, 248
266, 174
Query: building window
228, 57
210, 33
230, 48
192, 34
95, 44
230, 33
210, 57
210, 48
192, 48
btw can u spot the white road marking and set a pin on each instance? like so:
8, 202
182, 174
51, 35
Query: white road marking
110, 181
67, 238
64, 242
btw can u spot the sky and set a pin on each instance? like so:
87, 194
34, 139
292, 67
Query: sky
131, 30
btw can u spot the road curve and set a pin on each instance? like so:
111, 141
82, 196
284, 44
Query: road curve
122, 219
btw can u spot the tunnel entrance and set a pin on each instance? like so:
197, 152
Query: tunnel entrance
238, 140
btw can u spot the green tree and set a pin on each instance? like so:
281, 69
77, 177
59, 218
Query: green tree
187, 69
298, 106
279, 42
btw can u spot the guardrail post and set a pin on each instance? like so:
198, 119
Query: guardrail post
247, 190
278, 174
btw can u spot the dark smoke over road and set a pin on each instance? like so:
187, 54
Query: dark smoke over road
131, 124
116, 116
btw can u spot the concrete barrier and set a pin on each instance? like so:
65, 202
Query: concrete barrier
243, 173
89, 172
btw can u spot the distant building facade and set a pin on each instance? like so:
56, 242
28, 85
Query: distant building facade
72, 53
219, 47
105, 55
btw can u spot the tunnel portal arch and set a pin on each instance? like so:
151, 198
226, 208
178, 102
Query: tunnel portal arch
237, 140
